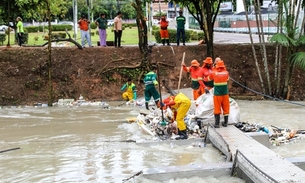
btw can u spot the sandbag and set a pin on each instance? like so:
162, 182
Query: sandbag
205, 109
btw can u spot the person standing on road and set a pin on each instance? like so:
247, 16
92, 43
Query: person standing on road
20, 31
84, 30
180, 28
221, 93
163, 31
118, 29
101, 22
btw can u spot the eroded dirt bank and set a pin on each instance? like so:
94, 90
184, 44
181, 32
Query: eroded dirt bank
24, 73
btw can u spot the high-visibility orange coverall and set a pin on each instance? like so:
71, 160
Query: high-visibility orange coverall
221, 94
197, 83
181, 104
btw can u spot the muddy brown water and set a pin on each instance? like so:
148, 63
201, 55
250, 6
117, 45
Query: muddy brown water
86, 144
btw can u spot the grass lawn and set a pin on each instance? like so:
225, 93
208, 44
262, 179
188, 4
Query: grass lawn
129, 37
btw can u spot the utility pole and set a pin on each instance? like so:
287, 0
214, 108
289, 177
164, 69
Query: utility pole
74, 4
160, 9
88, 4
8, 24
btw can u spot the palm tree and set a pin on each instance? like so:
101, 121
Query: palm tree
253, 49
290, 38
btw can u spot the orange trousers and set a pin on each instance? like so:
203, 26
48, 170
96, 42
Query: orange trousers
222, 102
198, 92
164, 34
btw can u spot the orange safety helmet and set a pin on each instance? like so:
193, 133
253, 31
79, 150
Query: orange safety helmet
208, 60
195, 63
220, 64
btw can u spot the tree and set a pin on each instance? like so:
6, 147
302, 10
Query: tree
205, 12
290, 37
142, 31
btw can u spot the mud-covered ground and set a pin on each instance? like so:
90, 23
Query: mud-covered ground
95, 73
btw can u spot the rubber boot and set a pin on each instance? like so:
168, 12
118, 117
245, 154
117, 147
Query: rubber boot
199, 123
225, 123
146, 105
163, 42
156, 102
167, 42
182, 135
217, 120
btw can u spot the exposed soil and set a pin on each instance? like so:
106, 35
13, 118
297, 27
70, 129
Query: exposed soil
24, 71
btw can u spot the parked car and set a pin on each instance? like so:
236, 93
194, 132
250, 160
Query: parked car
3, 27
66, 23
110, 22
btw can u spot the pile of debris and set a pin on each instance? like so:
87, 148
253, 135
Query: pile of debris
277, 136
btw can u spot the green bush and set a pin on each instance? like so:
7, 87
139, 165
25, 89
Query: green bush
34, 29
2, 38
61, 27
96, 32
201, 35
172, 36
62, 35
130, 24
92, 33
154, 27
54, 28
93, 25
194, 35
25, 38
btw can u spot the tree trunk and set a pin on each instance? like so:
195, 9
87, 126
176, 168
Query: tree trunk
253, 50
142, 32
263, 46
279, 48
50, 100
8, 20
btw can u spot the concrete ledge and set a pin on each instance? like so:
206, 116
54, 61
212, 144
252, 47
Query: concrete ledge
176, 142
200, 170
260, 137
187, 171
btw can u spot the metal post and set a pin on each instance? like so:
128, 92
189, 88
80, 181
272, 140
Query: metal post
88, 3
160, 8
74, 2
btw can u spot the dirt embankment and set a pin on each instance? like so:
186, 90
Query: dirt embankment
24, 71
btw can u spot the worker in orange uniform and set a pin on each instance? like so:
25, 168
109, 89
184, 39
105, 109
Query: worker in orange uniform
207, 69
221, 93
197, 84
215, 62
163, 31
181, 104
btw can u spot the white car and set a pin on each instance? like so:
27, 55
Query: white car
110, 22
3, 27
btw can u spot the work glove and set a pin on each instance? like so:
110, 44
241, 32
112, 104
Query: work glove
160, 105
206, 91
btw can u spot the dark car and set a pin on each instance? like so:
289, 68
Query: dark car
242, 13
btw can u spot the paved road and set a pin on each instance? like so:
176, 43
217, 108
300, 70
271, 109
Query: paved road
220, 37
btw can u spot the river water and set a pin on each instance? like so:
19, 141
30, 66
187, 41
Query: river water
87, 144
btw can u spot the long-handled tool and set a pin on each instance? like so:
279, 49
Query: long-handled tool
181, 71
169, 90
159, 84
